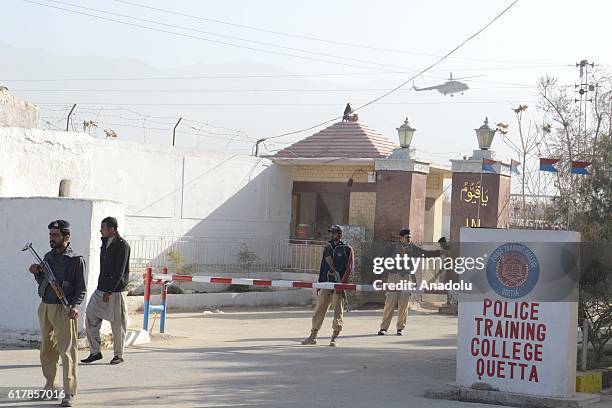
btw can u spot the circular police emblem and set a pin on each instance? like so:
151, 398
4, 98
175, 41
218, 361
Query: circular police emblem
513, 270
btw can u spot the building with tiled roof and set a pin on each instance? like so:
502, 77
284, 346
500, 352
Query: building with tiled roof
350, 174
347, 139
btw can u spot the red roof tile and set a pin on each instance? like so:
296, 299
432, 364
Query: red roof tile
342, 139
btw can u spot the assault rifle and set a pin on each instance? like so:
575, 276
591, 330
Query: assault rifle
49, 276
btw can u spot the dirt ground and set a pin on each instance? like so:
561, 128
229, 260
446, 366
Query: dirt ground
252, 358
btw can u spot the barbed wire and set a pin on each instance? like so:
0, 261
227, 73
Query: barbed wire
97, 118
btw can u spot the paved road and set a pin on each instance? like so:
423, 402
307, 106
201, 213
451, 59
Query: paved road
253, 359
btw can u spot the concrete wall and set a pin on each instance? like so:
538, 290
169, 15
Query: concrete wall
24, 220
35, 161
433, 214
362, 210
17, 112
166, 191
177, 192
332, 173
198, 302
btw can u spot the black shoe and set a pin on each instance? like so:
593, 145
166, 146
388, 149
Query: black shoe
92, 358
116, 360
382, 332
67, 401
399, 333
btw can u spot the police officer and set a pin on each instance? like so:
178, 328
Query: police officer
336, 266
58, 329
108, 302
401, 299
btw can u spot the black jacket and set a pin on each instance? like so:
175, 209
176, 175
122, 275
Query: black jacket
114, 265
69, 270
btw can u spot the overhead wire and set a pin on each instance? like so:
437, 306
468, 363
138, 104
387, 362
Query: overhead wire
314, 126
437, 62
180, 27
269, 90
306, 37
281, 104
199, 37
406, 70
242, 76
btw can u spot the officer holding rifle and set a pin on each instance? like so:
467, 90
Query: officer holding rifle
61, 293
336, 267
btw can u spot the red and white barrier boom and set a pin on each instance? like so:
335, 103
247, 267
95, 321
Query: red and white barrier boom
163, 278
265, 282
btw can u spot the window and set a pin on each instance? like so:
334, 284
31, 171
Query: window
64, 188
315, 212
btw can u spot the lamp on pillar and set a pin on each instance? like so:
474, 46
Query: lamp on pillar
405, 133
485, 135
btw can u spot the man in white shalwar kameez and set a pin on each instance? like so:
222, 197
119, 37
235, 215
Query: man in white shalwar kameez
109, 302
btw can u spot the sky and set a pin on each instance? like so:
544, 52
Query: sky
233, 84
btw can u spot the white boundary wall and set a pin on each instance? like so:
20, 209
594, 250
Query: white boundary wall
24, 220
166, 191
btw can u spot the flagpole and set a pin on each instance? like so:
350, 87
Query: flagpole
481, 192
538, 199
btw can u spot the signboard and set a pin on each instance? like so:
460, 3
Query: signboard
517, 328
479, 201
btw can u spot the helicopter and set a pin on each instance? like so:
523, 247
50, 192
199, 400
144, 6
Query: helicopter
450, 87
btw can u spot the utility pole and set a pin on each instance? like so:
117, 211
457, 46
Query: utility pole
581, 142
583, 89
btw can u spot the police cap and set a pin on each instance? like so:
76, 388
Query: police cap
404, 232
62, 225
335, 228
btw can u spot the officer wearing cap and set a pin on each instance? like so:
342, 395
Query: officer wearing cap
336, 266
58, 329
401, 299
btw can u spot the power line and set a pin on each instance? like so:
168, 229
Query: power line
211, 76
240, 76
202, 38
432, 76
291, 104
250, 41
246, 90
225, 36
305, 37
448, 54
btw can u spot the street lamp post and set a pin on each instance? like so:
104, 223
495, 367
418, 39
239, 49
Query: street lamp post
485, 135
405, 134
